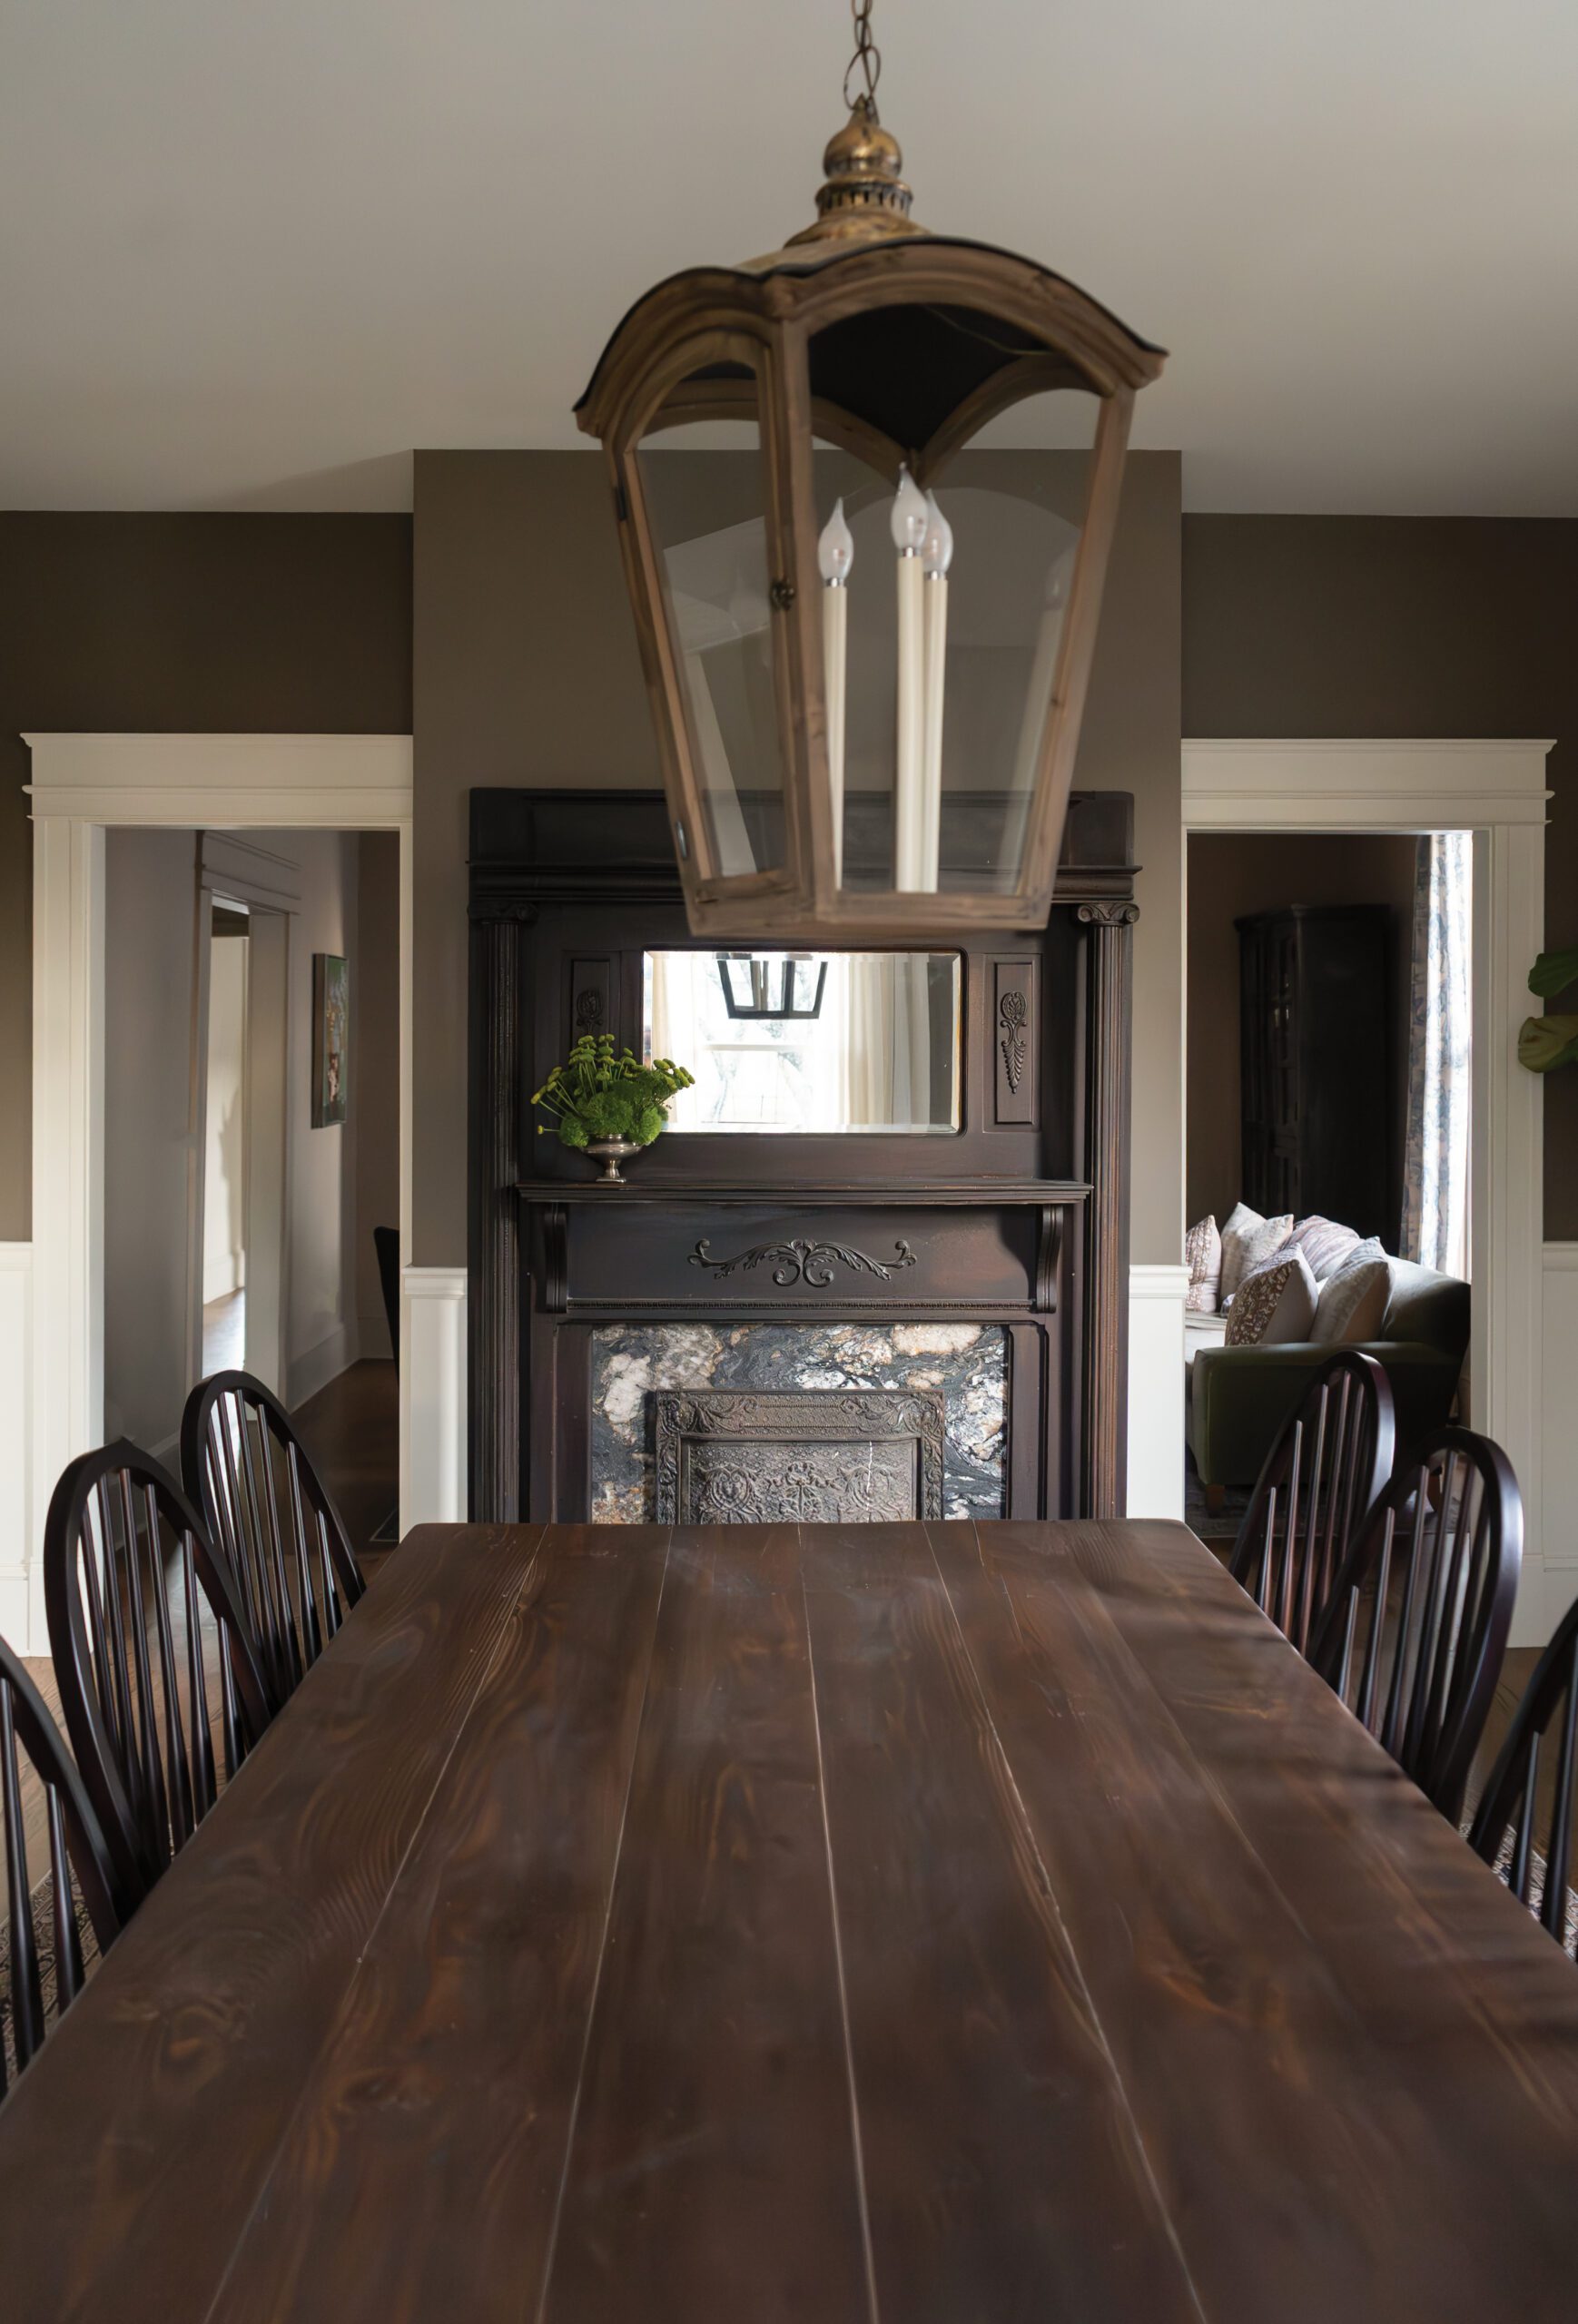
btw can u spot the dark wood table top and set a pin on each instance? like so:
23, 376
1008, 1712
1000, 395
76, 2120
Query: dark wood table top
920, 1923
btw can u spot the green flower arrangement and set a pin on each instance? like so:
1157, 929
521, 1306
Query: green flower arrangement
597, 1093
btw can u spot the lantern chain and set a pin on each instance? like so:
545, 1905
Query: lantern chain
866, 61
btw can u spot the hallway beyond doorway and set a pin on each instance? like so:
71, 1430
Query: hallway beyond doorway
224, 1334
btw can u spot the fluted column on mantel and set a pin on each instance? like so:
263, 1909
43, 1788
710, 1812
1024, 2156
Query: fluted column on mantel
494, 1284
1107, 1110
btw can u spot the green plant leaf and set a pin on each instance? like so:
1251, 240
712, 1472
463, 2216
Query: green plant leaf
1552, 972
1546, 1042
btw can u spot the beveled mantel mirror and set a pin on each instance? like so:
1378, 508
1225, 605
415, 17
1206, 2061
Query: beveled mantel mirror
802, 1044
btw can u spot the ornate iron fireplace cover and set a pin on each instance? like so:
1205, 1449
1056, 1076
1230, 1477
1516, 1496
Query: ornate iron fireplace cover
809, 1456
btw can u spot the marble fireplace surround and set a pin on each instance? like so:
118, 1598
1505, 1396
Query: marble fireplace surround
631, 1362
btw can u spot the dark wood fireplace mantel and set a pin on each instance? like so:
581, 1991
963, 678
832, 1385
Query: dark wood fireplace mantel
1019, 1221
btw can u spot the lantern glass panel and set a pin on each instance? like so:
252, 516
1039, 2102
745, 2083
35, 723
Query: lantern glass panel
951, 658
703, 488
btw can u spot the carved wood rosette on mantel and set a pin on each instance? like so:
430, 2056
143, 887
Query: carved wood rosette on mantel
1017, 1223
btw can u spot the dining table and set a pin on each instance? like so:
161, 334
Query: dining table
942, 1924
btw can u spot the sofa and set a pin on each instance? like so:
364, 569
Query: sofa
1241, 1397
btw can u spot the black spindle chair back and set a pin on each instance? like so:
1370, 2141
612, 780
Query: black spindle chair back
67, 1846
152, 1649
1319, 1482
1524, 1824
1413, 1636
270, 1514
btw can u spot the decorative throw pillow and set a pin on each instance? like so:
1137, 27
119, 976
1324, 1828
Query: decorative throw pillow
1352, 1304
1203, 1252
1326, 1245
1246, 1239
1273, 1306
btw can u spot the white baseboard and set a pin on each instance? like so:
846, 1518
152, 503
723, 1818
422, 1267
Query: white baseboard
433, 1466
1558, 1434
1156, 1391
333, 1354
16, 1445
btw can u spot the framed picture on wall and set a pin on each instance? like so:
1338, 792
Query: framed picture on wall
331, 1028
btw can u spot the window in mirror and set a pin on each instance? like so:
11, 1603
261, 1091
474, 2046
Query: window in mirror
808, 1044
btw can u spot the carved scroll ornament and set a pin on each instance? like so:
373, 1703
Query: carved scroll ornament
800, 1260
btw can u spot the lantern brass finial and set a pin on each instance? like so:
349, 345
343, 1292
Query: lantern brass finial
864, 196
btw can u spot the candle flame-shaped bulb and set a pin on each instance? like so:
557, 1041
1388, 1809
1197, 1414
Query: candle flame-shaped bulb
909, 516
835, 548
937, 548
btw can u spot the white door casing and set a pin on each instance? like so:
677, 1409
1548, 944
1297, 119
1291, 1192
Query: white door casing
81, 783
1497, 791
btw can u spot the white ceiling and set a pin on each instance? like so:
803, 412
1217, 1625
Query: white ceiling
251, 251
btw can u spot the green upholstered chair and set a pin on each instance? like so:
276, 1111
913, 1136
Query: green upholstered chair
1241, 1398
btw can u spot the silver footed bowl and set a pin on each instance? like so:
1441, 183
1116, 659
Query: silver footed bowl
611, 1152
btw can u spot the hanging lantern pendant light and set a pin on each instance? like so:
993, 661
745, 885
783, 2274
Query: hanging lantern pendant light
845, 751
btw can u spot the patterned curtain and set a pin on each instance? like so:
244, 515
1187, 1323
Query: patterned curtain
1440, 1020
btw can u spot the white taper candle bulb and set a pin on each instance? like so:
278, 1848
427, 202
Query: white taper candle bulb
835, 547
908, 522
936, 556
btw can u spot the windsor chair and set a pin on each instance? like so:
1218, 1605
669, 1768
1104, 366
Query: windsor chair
1524, 1824
145, 1619
272, 1516
1319, 1483
44, 1937
1413, 1636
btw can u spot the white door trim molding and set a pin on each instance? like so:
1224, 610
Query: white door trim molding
1498, 790
1403, 786
15, 1421
81, 783
1156, 1370
433, 1480
1560, 1532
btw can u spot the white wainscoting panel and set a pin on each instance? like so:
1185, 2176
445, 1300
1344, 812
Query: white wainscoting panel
1558, 1428
1156, 1390
433, 1482
16, 1443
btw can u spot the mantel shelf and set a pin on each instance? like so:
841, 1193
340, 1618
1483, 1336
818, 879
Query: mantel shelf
875, 1194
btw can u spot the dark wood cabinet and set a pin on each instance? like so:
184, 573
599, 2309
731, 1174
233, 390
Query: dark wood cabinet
1317, 1074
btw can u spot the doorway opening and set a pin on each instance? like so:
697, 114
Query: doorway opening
1330, 997
224, 1143
253, 1131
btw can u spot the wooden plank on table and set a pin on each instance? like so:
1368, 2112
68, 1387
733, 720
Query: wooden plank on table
1003, 2176
132, 2151
1311, 2058
712, 2172
421, 2176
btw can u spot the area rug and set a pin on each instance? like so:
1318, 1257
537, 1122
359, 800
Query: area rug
43, 1901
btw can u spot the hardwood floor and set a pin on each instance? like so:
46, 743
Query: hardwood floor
352, 1432
224, 1334
1517, 1669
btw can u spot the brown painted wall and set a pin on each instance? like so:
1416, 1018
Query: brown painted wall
525, 672
1391, 626
220, 624
1231, 874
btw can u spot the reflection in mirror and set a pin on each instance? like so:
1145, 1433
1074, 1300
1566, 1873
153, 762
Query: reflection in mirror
808, 1043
